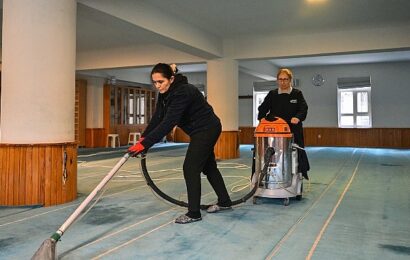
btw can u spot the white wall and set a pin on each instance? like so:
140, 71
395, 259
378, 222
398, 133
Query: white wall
245, 105
390, 93
245, 88
196, 77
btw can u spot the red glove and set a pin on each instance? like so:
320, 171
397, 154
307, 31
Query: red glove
136, 149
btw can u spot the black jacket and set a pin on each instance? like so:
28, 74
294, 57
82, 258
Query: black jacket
182, 105
284, 105
287, 106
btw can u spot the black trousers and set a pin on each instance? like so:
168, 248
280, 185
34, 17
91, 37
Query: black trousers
303, 161
199, 158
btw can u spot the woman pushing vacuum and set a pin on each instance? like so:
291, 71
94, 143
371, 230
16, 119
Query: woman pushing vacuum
288, 103
280, 158
182, 104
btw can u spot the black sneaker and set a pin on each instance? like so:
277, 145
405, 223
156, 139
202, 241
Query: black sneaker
184, 219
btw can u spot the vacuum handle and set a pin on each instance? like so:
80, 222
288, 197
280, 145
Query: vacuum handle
294, 145
91, 196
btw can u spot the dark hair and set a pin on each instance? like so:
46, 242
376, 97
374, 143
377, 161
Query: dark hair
164, 69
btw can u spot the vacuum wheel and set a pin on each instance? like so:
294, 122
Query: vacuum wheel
286, 201
299, 197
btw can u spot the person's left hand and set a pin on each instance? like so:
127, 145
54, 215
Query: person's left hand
136, 149
294, 120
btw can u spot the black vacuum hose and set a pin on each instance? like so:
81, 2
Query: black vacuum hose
154, 187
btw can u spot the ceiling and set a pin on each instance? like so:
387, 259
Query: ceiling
239, 18
247, 18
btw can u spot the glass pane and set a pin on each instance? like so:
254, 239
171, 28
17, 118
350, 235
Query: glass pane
131, 105
346, 120
258, 99
362, 102
260, 96
346, 102
142, 108
363, 121
130, 120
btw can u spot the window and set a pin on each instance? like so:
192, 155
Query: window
260, 90
131, 105
258, 98
354, 107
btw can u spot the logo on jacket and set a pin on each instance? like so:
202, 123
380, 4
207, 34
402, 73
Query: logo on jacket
294, 101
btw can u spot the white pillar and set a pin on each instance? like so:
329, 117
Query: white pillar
222, 91
95, 98
38, 71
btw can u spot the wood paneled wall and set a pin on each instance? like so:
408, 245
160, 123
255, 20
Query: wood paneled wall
227, 146
179, 136
33, 174
351, 137
372, 137
95, 137
246, 135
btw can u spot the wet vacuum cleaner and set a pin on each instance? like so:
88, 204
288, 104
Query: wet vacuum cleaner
276, 162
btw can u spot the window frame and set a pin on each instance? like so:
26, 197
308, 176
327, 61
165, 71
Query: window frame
143, 104
355, 90
258, 95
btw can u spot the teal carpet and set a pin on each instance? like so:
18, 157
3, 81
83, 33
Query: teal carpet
355, 206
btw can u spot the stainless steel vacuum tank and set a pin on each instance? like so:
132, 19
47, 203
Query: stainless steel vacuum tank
276, 162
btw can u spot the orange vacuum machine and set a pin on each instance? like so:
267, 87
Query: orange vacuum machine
276, 164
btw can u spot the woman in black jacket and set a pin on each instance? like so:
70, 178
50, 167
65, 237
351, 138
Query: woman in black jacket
182, 104
289, 104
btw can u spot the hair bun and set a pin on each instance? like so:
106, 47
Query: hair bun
174, 68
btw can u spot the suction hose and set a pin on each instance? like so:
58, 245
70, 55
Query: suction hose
269, 152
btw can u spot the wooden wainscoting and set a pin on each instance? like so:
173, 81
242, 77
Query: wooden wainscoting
356, 137
95, 137
33, 174
179, 136
227, 146
246, 135
351, 137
